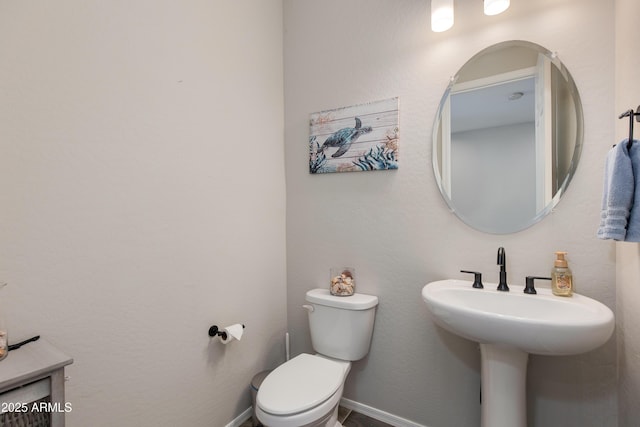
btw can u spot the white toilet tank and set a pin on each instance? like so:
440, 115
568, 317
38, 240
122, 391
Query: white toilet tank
341, 327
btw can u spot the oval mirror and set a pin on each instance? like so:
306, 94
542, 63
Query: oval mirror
507, 137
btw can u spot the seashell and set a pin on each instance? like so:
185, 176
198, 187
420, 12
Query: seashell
342, 284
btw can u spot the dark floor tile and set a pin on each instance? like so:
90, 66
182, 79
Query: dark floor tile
359, 420
354, 419
343, 413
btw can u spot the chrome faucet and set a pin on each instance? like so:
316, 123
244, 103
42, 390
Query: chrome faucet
502, 262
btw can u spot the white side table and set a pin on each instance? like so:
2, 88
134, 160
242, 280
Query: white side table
30, 373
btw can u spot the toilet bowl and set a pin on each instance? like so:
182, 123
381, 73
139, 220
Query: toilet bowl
306, 390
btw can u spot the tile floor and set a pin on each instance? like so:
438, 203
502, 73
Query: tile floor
355, 419
348, 418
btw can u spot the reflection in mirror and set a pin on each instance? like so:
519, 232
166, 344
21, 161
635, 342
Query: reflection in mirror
507, 137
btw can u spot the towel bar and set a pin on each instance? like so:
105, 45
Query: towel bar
631, 114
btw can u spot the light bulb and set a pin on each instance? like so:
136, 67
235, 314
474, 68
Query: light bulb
494, 7
441, 15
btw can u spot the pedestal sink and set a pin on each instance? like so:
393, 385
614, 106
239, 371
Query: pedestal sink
511, 325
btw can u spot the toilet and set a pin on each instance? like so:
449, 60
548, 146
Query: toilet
306, 390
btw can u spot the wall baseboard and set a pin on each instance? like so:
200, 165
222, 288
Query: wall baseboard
244, 416
378, 414
369, 411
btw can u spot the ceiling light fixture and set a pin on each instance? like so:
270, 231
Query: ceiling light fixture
515, 96
494, 7
441, 15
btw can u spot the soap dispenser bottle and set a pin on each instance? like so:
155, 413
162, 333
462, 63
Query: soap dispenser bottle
561, 276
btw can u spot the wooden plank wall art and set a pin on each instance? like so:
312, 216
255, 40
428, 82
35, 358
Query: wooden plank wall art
354, 139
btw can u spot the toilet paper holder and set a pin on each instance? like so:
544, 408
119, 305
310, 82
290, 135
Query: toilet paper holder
215, 331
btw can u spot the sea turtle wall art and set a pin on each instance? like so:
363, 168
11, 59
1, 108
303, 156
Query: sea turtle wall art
354, 139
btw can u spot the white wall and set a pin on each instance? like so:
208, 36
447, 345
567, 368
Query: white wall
487, 191
394, 227
628, 254
143, 199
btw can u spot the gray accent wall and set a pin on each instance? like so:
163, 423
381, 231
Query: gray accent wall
393, 226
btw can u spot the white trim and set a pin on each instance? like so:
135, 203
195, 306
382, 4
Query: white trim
378, 414
244, 416
496, 79
369, 411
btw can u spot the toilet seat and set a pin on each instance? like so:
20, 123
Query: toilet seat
302, 383
320, 415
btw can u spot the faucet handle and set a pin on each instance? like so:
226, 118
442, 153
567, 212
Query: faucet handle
477, 278
529, 287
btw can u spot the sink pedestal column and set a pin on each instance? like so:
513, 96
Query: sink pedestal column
504, 375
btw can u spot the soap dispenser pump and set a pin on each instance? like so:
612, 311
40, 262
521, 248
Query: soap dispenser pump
561, 276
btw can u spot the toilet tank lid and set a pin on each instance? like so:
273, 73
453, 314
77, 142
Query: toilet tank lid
353, 302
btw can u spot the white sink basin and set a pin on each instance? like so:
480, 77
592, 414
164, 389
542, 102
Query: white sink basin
509, 326
540, 324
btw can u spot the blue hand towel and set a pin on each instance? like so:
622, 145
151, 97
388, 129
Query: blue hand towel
618, 193
633, 225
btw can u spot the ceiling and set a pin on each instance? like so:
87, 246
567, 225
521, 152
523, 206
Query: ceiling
491, 107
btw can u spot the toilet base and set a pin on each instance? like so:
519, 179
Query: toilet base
333, 421
329, 420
